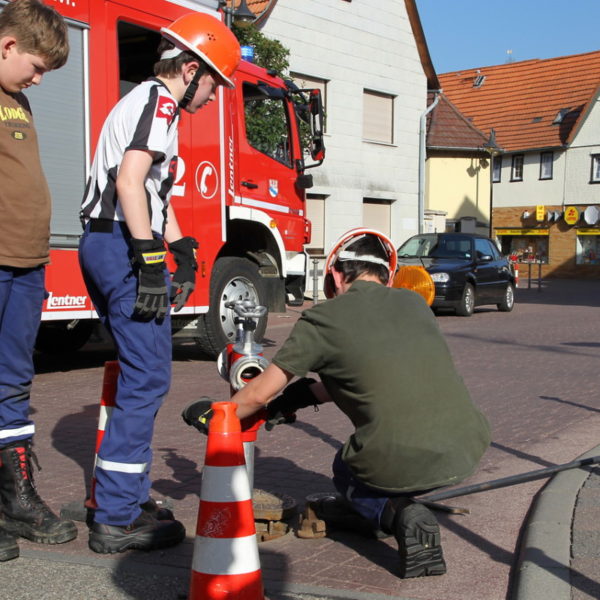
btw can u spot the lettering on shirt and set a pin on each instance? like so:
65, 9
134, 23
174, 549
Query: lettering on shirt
9, 113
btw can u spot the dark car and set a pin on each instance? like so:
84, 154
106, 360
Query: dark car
467, 269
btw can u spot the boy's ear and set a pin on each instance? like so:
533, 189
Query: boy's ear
188, 70
7, 43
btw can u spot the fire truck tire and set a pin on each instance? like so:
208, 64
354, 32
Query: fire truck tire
232, 278
57, 337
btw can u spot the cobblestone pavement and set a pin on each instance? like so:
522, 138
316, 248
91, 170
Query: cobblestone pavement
534, 373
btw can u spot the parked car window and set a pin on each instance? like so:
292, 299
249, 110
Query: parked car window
484, 248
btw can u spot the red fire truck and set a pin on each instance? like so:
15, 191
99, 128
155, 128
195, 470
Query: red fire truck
240, 184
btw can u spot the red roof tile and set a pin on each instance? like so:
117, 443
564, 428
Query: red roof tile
448, 129
521, 100
256, 6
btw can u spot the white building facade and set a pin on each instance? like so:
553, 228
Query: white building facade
364, 57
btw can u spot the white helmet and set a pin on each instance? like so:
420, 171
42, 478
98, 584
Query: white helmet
340, 252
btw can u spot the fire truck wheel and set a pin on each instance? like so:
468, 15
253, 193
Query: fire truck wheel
233, 278
63, 336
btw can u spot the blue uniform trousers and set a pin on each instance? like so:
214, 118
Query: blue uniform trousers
367, 501
21, 297
144, 352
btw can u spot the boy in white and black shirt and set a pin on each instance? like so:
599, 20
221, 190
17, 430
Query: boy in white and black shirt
127, 218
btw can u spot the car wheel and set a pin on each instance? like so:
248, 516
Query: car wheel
508, 300
467, 302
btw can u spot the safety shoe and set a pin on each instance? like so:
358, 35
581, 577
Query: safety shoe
8, 546
154, 508
418, 535
24, 513
338, 513
145, 533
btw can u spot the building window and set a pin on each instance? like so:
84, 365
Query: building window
546, 164
497, 169
378, 117
516, 172
588, 248
525, 248
315, 213
309, 82
377, 214
595, 178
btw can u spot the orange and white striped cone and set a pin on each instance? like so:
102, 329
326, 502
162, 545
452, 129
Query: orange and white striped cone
226, 564
107, 403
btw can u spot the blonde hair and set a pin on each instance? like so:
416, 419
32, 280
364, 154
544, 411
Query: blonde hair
38, 29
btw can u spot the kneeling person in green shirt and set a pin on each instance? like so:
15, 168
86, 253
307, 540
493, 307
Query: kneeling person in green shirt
383, 361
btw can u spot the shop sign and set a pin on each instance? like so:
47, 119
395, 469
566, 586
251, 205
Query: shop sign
522, 231
571, 215
540, 212
588, 231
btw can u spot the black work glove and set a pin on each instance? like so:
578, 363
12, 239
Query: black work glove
152, 297
283, 408
184, 278
199, 413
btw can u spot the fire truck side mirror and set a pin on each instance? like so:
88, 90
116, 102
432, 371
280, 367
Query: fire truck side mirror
317, 150
304, 182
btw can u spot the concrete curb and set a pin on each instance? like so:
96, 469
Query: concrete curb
543, 566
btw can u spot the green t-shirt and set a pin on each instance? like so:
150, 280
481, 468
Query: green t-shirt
381, 356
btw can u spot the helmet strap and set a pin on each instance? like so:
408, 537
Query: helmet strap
190, 92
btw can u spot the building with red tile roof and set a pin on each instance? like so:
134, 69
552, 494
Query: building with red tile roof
546, 118
457, 171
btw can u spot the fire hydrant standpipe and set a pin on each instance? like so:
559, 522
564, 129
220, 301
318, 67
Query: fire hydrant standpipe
239, 363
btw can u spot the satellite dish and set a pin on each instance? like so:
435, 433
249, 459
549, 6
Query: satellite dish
591, 215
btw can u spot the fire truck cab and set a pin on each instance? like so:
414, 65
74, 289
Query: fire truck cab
240, 182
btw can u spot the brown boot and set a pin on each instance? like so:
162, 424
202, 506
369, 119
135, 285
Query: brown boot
23, 512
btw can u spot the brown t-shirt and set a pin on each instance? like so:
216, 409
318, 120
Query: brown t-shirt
24, 193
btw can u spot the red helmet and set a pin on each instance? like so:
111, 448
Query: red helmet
208, 38
339, 252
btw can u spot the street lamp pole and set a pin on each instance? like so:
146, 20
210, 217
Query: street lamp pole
492, 148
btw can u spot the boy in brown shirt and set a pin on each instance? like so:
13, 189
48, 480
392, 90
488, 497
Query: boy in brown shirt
33, 40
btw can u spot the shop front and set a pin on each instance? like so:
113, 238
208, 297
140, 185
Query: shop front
564, 241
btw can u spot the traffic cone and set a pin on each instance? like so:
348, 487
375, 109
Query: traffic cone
107, 403
226, 565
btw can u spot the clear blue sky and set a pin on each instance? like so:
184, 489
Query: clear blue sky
462, 34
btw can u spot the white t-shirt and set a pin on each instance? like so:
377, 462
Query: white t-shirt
145, 119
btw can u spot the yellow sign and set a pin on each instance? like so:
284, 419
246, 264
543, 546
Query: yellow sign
522, 231
588, 231
571, 215
540, 213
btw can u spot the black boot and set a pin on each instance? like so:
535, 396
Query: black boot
8, 546
23, 512
154, 508
145, 533
418, 535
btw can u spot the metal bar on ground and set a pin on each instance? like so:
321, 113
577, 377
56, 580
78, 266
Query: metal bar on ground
511, 480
